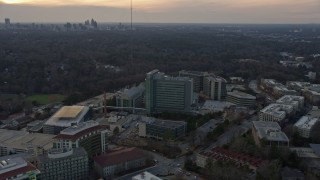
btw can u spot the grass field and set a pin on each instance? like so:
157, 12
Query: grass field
46, 98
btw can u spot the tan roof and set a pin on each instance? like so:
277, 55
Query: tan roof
68, 112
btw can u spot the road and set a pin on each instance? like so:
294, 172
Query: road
236, 131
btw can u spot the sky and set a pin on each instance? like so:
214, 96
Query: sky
163, 11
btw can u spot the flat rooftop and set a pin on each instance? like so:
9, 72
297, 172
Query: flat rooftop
133, 91
76, 152
21, 139
14, 167
240, 94
68, 112
306, 122
194, 73
277, 109
67, 116
289, 99
271, 131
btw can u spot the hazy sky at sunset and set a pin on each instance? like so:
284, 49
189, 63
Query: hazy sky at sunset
185, 11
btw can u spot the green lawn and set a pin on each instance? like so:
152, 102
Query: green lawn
46, 98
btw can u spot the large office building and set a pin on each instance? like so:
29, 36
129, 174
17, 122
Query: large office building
162, 129
132, 97
241, 99
64, 164
118, 161
17, 169
164, 93
215, 87
305, 125
269, 133
197, 78
275, 112
12, 142
66, 117
89, 135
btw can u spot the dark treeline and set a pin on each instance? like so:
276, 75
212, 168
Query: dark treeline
77, 62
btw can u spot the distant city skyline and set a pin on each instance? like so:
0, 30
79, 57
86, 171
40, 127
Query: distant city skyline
165, 11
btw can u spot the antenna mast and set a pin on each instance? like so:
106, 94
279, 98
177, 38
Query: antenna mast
131, 34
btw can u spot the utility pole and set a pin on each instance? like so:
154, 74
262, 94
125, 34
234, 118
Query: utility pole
131, 34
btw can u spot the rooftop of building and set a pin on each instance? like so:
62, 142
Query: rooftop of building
277, 109
304, 152
270, 131
15, 166
213, 77
240, 94
222, 154
119, 155
170, 78
299, 84
290, 99
195, 73
281, 87
67, 116
21, 139
133, 91
34, 123
315, 112
153, 72
269, 81
145, 176
164, 123
79, 130
68, 112
65, 154
314, 89
306, 122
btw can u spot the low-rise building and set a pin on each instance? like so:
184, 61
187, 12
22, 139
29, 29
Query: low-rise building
17, 168
66, 117
241, 99
305, 125
312, 94
275, 112
119, 160
64, 164
296, 101
89, 135
145, 176
225, 155
269, 133
162, 129
12, 141
275, 88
